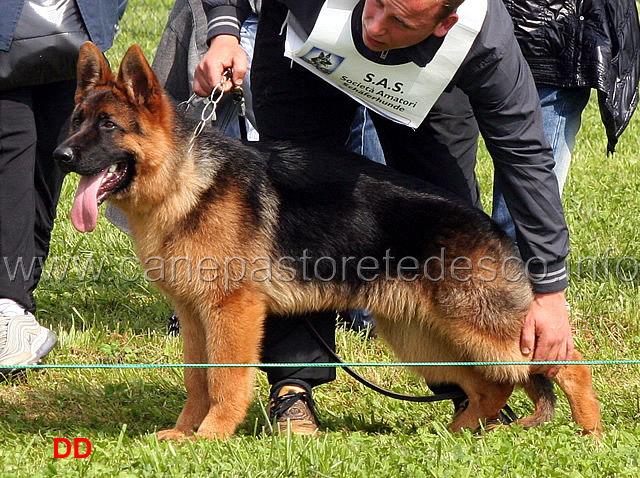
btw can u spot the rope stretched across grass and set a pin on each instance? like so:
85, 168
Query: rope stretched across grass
321, 365
348, 367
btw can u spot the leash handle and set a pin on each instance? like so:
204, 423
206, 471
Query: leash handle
237, 94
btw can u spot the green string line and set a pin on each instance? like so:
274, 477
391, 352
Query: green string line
320, 365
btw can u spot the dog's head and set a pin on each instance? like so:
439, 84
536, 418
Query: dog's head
119, 129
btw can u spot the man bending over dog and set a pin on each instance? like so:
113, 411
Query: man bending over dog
436, 72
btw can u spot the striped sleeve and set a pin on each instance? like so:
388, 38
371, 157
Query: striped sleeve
546, 278
225, 18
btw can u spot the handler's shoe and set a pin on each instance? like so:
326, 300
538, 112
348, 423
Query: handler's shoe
291, 409
23, 341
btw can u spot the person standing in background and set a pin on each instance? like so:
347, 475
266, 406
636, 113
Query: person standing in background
572, 47
39, 45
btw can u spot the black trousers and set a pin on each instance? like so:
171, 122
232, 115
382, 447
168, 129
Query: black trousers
33, 120
293, 104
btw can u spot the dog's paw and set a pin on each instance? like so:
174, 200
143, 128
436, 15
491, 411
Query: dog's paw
172, 434
210, 434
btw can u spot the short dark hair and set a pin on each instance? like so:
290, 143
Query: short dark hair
449, 7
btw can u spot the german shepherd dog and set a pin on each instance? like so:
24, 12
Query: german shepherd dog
286, 231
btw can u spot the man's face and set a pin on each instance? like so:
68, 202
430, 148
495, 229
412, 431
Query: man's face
392, 24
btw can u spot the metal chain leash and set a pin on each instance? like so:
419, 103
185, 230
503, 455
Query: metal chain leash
208, 113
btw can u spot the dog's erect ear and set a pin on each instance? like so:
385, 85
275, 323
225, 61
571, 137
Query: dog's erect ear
138, 78
93, 70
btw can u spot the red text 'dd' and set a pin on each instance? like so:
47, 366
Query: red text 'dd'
62, 448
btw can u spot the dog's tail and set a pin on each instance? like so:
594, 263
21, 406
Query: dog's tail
540, 391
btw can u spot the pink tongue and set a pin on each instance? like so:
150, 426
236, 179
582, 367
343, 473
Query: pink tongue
84, 213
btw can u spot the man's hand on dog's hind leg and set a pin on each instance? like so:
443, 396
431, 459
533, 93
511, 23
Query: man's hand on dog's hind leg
547, 332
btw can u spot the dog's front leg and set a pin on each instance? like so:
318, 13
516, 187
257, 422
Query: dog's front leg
195, 379
234, 331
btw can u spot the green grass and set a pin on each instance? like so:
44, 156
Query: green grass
142, 23
112, 316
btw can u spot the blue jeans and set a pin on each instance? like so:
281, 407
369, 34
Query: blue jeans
363, 138
561, 117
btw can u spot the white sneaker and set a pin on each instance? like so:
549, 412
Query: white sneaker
23, 341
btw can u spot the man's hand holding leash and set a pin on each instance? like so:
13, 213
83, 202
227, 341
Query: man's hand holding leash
225, 52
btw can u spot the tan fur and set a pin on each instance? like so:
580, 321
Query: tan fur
222, 320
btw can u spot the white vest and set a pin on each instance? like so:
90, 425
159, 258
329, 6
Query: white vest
403, 93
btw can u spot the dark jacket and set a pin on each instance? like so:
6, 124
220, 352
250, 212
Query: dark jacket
593, 43
496, 78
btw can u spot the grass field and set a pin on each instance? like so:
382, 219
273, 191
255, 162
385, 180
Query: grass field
93, 296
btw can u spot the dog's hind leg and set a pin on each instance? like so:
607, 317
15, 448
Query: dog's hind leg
195, 379
575, 381
234, 331
486, 399
540, 391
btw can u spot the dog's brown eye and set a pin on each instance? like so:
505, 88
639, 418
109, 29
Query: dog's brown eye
109, 124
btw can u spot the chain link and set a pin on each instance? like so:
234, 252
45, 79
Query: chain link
208, 112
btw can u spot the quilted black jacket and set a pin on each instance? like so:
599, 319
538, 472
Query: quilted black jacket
594, 43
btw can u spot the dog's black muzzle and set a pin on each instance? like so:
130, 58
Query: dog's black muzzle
64, 156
